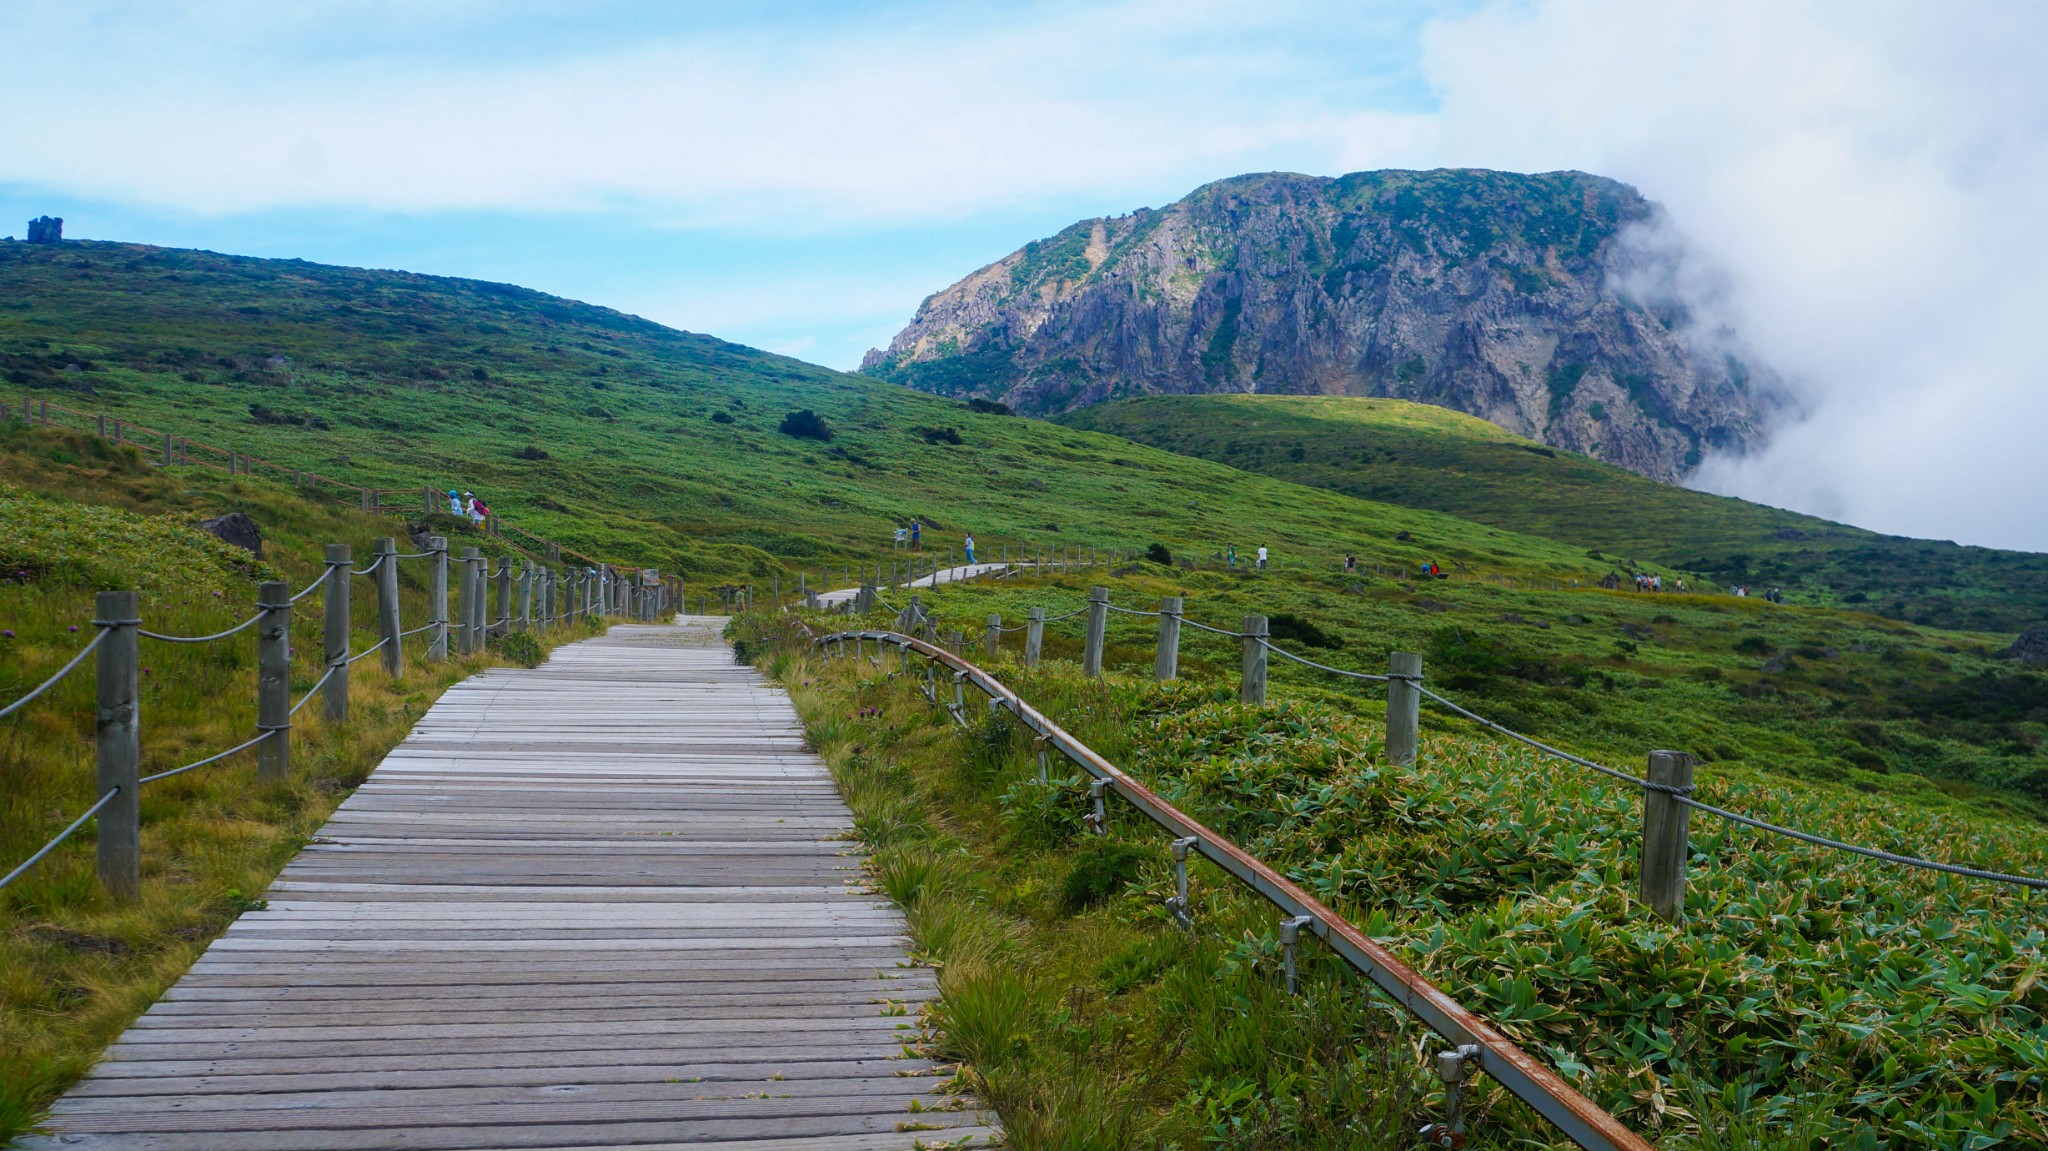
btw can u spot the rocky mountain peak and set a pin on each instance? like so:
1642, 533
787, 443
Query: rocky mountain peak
1526, 300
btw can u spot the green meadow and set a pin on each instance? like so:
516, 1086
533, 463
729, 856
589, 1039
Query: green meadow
1427, 457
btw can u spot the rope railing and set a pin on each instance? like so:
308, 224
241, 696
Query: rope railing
315, 689
243, 626
371, 650
63, 835
51, 682
319, 582
1681, 793
214, 758
1579, 1118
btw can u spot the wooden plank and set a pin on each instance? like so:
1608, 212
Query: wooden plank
610, 902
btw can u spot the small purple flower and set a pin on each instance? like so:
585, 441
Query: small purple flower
74, 627
7, 634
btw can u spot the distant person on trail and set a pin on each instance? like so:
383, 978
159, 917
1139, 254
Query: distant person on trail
475, 507
454, 502
1262, 557
1350, 564
914, 526
970, 549
1230, 556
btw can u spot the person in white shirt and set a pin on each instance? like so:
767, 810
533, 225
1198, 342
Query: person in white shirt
1262, 558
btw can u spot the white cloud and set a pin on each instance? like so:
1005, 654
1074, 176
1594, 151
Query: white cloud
882, 120
1870, 178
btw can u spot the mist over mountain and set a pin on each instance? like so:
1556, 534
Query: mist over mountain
1546, 303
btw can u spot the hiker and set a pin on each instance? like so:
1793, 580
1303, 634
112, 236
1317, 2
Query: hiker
475, 508
1681, 585
1262, 557
914, 526
1350, 564
454, 503
970, 549
1230, 555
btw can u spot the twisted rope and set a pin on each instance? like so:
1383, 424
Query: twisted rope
1284, 654
251, 621
374, 565
63, 835
51, 682
366, 651
260, 737
315, 689
1206, 627
1129, 611
309, 588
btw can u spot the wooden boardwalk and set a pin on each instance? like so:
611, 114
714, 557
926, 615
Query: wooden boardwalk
606, 903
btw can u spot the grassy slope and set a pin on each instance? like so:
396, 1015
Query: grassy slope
425, 380
76, 514
1810, 995
1427, 457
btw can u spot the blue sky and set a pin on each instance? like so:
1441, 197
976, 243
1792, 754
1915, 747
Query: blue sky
809, 171
1862, 180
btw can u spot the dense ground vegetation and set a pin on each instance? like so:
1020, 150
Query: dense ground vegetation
76, 967
649, 445
1427, 457
1811, 999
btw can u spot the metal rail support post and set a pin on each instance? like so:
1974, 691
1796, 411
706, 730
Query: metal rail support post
1098, 624
1666, 828
1404, 706
437, 600
388, 627
1290, 939
118, 737
1097, 819
1251, 686
1183, 911
274, 682
334, 632
1455, 1068
1166, 663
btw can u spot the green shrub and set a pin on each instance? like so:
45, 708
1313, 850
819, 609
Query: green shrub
518, 647
1099, 871
805, 424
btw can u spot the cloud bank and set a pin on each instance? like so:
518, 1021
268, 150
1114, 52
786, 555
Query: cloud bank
1871, 179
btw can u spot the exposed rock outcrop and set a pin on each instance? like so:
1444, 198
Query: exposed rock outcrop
238, 529
1521, 299
45, 230
2031, 648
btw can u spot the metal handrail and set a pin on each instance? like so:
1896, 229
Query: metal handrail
1583, 1121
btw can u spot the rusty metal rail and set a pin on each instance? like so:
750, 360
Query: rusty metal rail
1581, 1120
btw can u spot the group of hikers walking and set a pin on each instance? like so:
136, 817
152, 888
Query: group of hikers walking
465, 505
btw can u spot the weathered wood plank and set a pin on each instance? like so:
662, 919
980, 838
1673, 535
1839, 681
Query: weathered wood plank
610, 902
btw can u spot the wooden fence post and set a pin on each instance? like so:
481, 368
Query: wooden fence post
437, 600
479, 600
775, 589
1251, 686
274, 682
1666, 831
1098, 623
505, 596
118, 737
1034, 635
465, 610
1166, 664
388, 626
1404, 706
522, 619
955, 641
994, 640
167, 449
334, 632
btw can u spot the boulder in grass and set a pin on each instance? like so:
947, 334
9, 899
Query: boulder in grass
238, 529
2031, 648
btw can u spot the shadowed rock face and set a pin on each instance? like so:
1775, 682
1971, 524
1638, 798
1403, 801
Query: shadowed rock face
1522, 299
238, 529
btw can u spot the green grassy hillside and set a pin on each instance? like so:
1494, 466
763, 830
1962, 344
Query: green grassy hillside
1428, 457
624, 438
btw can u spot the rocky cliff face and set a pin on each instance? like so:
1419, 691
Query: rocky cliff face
1522, 299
